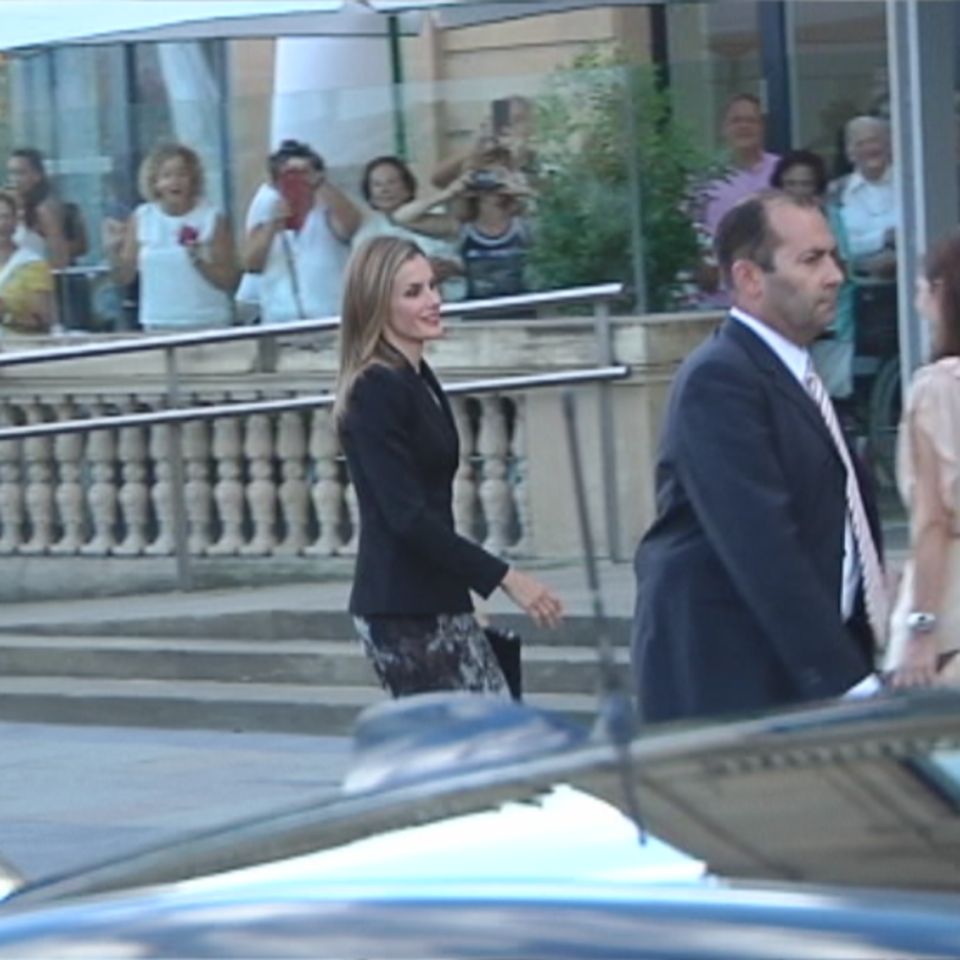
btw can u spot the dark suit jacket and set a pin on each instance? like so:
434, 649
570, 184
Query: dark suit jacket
402, 452
739, 577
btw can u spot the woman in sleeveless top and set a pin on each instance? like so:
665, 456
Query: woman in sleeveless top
387, 185
925, 625
26, 285
411, 591
42, 227
179, 244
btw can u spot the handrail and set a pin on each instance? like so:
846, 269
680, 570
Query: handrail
170, 341
310, 402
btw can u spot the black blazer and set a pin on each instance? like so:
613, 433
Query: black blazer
739, 577
402, 451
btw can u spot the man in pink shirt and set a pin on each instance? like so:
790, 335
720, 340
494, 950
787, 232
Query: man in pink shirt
750, 165
749, 170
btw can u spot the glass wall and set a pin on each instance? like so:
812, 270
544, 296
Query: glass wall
838, 54
602, 204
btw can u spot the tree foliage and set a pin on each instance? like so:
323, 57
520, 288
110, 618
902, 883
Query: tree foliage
615, 165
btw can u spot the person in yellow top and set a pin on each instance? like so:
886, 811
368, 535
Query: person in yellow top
26, 284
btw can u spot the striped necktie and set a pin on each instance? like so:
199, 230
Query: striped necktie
874, 583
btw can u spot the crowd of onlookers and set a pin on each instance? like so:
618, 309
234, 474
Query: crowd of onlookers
186, 269
860, 204
181, 264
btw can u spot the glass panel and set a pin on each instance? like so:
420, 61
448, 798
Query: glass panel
839, 71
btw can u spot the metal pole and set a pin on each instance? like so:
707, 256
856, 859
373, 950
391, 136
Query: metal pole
177, 477
396, 85
608, 446
634, 185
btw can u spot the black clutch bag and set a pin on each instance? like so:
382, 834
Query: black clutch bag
506, 645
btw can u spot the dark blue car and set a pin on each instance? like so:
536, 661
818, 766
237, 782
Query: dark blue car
469, 828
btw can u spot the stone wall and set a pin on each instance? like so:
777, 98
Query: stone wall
275, 485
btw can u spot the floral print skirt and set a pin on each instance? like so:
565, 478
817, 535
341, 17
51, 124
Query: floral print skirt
423, 654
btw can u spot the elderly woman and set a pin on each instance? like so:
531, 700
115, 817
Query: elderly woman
26, 286
179, 244
867, 201
388, 185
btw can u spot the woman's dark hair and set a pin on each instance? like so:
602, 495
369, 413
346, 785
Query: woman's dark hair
293, 150
942, 268
40, 190
801, 158
409, 180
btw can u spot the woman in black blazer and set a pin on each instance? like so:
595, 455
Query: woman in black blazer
411, 593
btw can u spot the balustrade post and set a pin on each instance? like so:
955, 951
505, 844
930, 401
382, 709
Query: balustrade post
294, 494
134, 497
494, 490
261, 491
228, 489
102, 495
68, 455
11, 491
521, 486
161, 493
197, 490
38, 456
464, 488
328, 495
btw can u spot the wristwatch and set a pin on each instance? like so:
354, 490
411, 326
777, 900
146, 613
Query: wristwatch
922, 622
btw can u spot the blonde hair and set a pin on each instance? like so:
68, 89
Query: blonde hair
367, 292
157, 157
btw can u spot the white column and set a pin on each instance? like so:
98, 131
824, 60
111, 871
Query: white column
334, 93
921, 38
195, 107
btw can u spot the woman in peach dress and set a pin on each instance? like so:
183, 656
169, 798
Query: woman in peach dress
925, 625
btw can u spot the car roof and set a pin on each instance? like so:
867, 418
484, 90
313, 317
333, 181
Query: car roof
859, 792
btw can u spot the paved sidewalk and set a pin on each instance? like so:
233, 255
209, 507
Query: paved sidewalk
71, 796
616, 589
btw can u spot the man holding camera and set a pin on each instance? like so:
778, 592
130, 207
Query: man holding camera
298, 232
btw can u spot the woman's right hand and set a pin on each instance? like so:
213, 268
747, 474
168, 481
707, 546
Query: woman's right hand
112, 233
281, 213
918, 665
538, 601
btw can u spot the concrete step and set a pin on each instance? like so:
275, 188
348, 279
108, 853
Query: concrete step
191, 704
276, 624
330, 663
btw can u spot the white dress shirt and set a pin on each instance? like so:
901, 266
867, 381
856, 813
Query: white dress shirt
869, 210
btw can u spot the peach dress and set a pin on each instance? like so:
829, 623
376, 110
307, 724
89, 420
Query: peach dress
933, 411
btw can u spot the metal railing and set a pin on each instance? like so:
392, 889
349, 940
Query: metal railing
606, 371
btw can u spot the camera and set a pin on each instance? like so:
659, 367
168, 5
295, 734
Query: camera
484, 180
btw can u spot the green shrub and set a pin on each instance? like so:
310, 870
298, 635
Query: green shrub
617, 173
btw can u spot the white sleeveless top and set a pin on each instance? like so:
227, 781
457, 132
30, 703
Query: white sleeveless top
173, 294
31, 240
318, 260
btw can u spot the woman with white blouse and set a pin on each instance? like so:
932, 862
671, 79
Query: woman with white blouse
178, 243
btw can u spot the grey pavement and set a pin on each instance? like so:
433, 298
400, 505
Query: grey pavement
569, 579
71, 796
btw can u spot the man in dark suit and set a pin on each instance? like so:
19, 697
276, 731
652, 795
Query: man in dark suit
749, 584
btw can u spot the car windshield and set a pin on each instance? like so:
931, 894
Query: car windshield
564, 836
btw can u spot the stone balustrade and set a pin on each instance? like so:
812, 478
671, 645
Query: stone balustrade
276, 485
